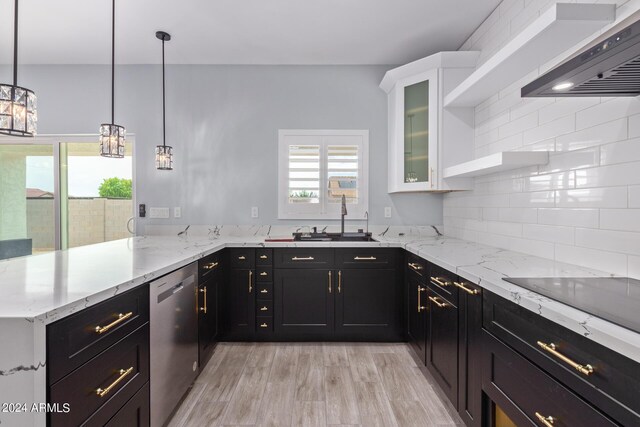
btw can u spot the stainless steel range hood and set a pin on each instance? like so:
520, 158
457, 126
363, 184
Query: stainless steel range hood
609, 66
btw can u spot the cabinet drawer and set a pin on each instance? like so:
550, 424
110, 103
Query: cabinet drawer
527, 393
264, 307
242, 257
442, 282
614, 384
264, 257
303, 258
76, 339
264, 324
209, 264
264, 290
135, 413
264, 274
365, 258
118, 373
417, 265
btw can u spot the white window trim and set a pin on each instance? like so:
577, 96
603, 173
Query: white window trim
355, 212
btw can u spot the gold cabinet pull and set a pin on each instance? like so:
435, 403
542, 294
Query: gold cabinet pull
467, 290
242, 257
416, 267
329, 282
437, 281
264, 308
264, 291
306, 258
263, 257
263, 273
546, 421
264, 325
340, 281
420, 306
250, 281
123, 373
121, 318
204, 292
211, 265
551, 348
437, 302
364, 258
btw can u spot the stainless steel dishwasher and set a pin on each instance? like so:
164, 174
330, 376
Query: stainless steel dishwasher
173, 328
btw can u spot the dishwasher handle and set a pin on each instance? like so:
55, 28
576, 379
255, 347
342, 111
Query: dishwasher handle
176, 288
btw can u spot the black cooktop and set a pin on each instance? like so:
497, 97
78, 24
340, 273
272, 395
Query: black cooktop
615, 299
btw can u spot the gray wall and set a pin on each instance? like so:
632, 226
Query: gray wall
223, 122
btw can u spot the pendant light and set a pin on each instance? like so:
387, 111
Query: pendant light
112, 136
164, 152
18, 109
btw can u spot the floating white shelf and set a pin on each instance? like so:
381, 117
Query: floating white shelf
555, 31
498, 162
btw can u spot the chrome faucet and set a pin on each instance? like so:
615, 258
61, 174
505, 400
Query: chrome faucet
343, 212
366, 215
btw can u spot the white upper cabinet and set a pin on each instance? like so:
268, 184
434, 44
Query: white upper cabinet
424, 138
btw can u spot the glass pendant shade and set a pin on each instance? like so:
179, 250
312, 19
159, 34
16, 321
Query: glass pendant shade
164, 157
112, 139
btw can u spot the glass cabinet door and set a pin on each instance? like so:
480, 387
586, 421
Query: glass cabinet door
416, 132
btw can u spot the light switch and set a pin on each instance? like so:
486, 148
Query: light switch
387, 212
254, 212
177, 212
159, 213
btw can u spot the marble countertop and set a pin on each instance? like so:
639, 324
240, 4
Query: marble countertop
44, 288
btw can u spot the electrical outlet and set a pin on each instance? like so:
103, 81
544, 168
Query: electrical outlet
159, 213
387, 212
177, 212
254, 212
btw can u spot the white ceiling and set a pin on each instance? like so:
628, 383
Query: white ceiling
240, 31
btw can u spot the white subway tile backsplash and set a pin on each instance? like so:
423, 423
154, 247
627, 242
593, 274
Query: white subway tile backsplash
550, 130
608, 197
549, 233
612, 131
620, 152
606, 111
565, 107
620, 219
587, 218
593, 258
583, 206
607, 240
540, 199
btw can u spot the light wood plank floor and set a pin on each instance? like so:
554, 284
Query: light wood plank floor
307, 384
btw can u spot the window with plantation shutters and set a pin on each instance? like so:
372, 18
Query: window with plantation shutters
318, 167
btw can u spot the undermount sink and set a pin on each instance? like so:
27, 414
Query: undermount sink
333, 237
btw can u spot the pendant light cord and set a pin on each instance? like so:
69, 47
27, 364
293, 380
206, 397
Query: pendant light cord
15, 45
113, 61
164, 125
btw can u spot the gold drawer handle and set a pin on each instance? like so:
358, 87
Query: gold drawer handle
250, 281
416, 267
308, 258
551, 348
340, 281
329, 282
264, 325
437, 302
123, 374
264, 291
437, 281
264, 273
420, 306
211, 266
547, 421
121, 318
364, 258
467, 290
204, 291
242, 258
263, 257
264, 308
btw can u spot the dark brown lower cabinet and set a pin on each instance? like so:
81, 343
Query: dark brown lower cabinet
469, 353
209, 296
417, 315
240, 307
135, 413
303, 307
442, 343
